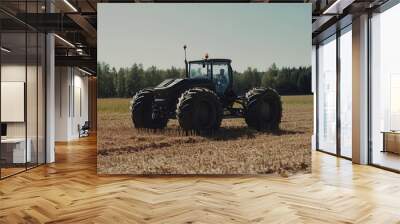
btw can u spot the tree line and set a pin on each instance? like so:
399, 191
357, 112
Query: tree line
125, 82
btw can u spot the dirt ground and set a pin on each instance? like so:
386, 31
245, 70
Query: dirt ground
234, 149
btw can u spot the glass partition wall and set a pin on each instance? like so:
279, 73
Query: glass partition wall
13, 89
22, 77
334, 94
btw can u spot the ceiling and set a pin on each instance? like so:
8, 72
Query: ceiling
75, 21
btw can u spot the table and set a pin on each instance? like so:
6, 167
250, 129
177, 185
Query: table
391, 141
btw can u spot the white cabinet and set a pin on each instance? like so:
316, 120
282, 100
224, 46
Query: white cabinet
15, 148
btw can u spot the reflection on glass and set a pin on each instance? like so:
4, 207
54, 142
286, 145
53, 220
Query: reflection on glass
394, 102
327, 96
346, 93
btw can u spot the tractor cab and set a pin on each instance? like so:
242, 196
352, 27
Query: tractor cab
219, 71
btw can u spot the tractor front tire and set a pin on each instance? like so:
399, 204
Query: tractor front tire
141, 111
263, 110
199, 109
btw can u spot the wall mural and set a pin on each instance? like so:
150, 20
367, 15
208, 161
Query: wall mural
204, 89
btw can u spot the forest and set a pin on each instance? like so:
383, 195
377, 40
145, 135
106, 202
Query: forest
125, 82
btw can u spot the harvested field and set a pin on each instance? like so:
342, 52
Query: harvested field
234, 149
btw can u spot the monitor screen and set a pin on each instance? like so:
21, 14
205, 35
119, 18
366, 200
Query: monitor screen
3, 129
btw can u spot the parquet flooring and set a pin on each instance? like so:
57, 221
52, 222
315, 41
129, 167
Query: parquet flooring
69, 191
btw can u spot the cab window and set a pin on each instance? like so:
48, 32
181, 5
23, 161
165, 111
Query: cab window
220, 77
199, 70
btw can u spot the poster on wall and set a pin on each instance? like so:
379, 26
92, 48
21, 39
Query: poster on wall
204, 89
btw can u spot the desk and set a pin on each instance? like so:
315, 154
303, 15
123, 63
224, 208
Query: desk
13, 150
391, 141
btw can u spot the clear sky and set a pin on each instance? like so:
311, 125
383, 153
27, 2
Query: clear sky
251, 34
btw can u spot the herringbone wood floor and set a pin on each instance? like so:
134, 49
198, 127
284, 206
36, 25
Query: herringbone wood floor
69, 191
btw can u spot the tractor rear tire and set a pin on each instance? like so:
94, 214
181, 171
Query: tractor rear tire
199, 109
263, 110
141, 111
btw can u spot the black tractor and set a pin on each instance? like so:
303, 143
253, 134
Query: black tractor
202, 99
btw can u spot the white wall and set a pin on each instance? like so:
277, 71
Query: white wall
62, 82
13, 101
81, 83
16, 73
11, 73
70, 84
33, 126
79, 112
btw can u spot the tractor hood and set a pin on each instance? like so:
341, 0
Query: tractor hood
168, 83
170, 87
177, 83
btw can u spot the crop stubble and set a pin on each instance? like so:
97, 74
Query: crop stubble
234, 149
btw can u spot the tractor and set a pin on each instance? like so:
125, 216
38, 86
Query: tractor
201, 100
